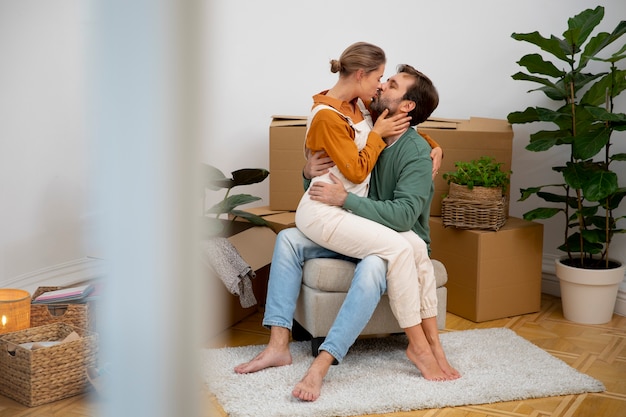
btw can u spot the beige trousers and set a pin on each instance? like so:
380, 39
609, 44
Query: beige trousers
408, 265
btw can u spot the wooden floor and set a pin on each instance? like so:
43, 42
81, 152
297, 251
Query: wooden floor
599, 351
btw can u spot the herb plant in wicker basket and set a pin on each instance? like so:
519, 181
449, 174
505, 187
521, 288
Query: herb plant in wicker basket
477, 195
584, 120
485, 173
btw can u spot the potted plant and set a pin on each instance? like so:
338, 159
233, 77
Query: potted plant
485, 173
215, 180
477, 195
584, 120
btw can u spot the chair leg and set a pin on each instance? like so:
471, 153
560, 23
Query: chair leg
299, 333
316, 342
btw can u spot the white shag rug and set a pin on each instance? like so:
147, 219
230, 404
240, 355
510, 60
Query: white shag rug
376, 377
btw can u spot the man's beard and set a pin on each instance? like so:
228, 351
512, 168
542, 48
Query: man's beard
379, 105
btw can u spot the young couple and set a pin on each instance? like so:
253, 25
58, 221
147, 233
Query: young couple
369, 200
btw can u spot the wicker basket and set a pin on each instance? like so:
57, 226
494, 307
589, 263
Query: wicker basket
474, 214
35, 377
76, 314
461, 192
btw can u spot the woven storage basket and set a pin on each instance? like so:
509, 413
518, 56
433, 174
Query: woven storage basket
461, 192
474, 214
35, 377
77, 314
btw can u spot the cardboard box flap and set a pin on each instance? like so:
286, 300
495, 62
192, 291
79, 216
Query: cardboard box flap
474, 124
255, 245
439, 124
481, 124
285, 120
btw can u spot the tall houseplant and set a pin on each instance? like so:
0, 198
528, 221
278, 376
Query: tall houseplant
584, 119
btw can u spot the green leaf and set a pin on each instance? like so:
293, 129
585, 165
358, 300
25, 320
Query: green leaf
535, 64
581, 25
551, 89
590, 143
527, 192
552, 198
249, 176
573, 243
541, 213
618, 157
214, 179
227, 205
551, 45
545, 139
601, 41
614, 83
599, 184
252, 218
572, 174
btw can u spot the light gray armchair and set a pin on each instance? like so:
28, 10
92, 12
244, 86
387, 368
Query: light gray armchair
325, 284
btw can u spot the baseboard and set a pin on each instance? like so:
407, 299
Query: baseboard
550, 285
67, 273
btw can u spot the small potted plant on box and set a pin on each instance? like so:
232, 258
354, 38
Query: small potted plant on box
584, 119
477, 195
215, 180
485, 174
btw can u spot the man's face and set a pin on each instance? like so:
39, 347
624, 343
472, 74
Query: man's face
391, 93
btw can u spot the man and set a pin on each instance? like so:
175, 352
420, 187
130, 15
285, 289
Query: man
389, 204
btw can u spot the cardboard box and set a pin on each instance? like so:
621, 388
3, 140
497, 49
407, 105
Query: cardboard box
287, 135
461, 140
466, 140
491, 275
256, 247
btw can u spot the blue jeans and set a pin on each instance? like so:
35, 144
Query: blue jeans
292, 248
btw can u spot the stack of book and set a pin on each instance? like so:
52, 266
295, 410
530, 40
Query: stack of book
80, 294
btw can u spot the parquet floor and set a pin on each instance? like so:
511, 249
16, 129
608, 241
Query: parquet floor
599, 351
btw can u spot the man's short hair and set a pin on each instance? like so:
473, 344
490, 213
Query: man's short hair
423, 93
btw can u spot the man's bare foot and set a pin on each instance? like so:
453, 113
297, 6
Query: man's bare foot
268, 358
426, 363
310, 386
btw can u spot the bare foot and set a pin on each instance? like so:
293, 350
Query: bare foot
310, 386
426, 363
268, 358
445, 366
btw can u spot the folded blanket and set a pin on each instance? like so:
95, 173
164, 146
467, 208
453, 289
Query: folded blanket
230, 267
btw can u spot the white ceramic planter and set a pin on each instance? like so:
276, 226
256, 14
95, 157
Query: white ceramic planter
588, 295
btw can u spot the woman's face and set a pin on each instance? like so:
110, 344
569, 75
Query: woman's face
370, 83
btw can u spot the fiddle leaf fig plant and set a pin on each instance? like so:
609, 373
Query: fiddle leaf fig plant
584, 120
215, 180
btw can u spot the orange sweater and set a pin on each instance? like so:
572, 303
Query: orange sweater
331, 133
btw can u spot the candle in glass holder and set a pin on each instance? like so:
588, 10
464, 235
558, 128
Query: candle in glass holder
14, 310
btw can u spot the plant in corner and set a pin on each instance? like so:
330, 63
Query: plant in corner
215, 180
585, 119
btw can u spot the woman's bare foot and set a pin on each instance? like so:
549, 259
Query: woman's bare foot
310, 386
445, 366
268, 358
426, 363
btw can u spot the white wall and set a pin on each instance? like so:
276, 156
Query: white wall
262, 58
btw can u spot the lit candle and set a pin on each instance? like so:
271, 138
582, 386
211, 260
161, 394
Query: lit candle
4, 321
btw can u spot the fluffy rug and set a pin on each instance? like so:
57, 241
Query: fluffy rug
376, 377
